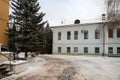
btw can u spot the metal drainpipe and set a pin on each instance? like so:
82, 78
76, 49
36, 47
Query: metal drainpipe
103, 39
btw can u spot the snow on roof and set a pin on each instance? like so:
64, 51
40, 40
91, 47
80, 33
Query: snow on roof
70, 25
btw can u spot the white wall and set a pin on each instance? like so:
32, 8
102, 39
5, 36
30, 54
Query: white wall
114, 42
91, 42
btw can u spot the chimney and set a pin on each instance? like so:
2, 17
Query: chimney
103, 17
63, 21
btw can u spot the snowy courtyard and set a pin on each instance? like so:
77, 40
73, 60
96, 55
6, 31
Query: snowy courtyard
70, 67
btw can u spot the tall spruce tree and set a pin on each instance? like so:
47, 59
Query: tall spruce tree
30, 23
48, 39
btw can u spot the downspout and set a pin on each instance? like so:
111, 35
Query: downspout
103, 54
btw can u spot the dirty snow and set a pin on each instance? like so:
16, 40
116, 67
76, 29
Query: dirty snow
69, 67
94, 67
33, 65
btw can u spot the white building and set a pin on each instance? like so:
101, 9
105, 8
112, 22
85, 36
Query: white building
88, 38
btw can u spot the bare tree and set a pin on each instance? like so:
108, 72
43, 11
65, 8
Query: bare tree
113, 10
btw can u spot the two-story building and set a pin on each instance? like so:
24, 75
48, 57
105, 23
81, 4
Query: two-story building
87, 38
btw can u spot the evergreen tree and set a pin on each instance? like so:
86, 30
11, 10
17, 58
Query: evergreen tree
30, 24
47, 39
40, 41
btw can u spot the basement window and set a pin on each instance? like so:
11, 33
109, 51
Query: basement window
59, 49
110, 50
85, 49
75, 49
97, 50
118, 32
118, 50
68, 49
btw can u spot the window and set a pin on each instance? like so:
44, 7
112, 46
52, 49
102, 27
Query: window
97, 34
97, 50
86, 34
110, 33
68, 35
68, 49
75, 35
59, 35
110, 50
75, 49
59, 49
118, 32
85, 49
118, 50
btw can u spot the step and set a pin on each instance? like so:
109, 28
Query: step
2, 68
10, 73
1, 65
5, 72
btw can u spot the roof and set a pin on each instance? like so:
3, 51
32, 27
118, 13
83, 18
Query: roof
70, 25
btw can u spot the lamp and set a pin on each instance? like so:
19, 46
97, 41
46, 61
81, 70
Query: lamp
11, 25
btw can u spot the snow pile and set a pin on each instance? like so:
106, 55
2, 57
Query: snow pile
34, 65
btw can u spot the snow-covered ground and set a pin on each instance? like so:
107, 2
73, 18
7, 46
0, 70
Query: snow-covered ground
70, 67
33, 67
94, 67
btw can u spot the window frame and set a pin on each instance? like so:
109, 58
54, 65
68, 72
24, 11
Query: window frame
118, 32
75, 35
68, 50
85, 34
109, 51
76, 50
118, 51
110, 33
97, 34
68, 35
85, 49
59, 35
59, 49
97, 51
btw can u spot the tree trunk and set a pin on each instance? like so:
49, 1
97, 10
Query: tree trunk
14, 57
26, 54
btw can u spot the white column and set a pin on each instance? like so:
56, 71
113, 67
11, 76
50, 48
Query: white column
106, 39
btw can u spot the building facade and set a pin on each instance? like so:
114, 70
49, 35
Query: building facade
4, 13
88, 38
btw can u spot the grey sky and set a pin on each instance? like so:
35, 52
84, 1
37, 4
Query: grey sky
69, 10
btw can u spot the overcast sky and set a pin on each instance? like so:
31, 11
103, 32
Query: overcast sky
69, 10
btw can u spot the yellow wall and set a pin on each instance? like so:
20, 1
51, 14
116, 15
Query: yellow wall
4, 12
